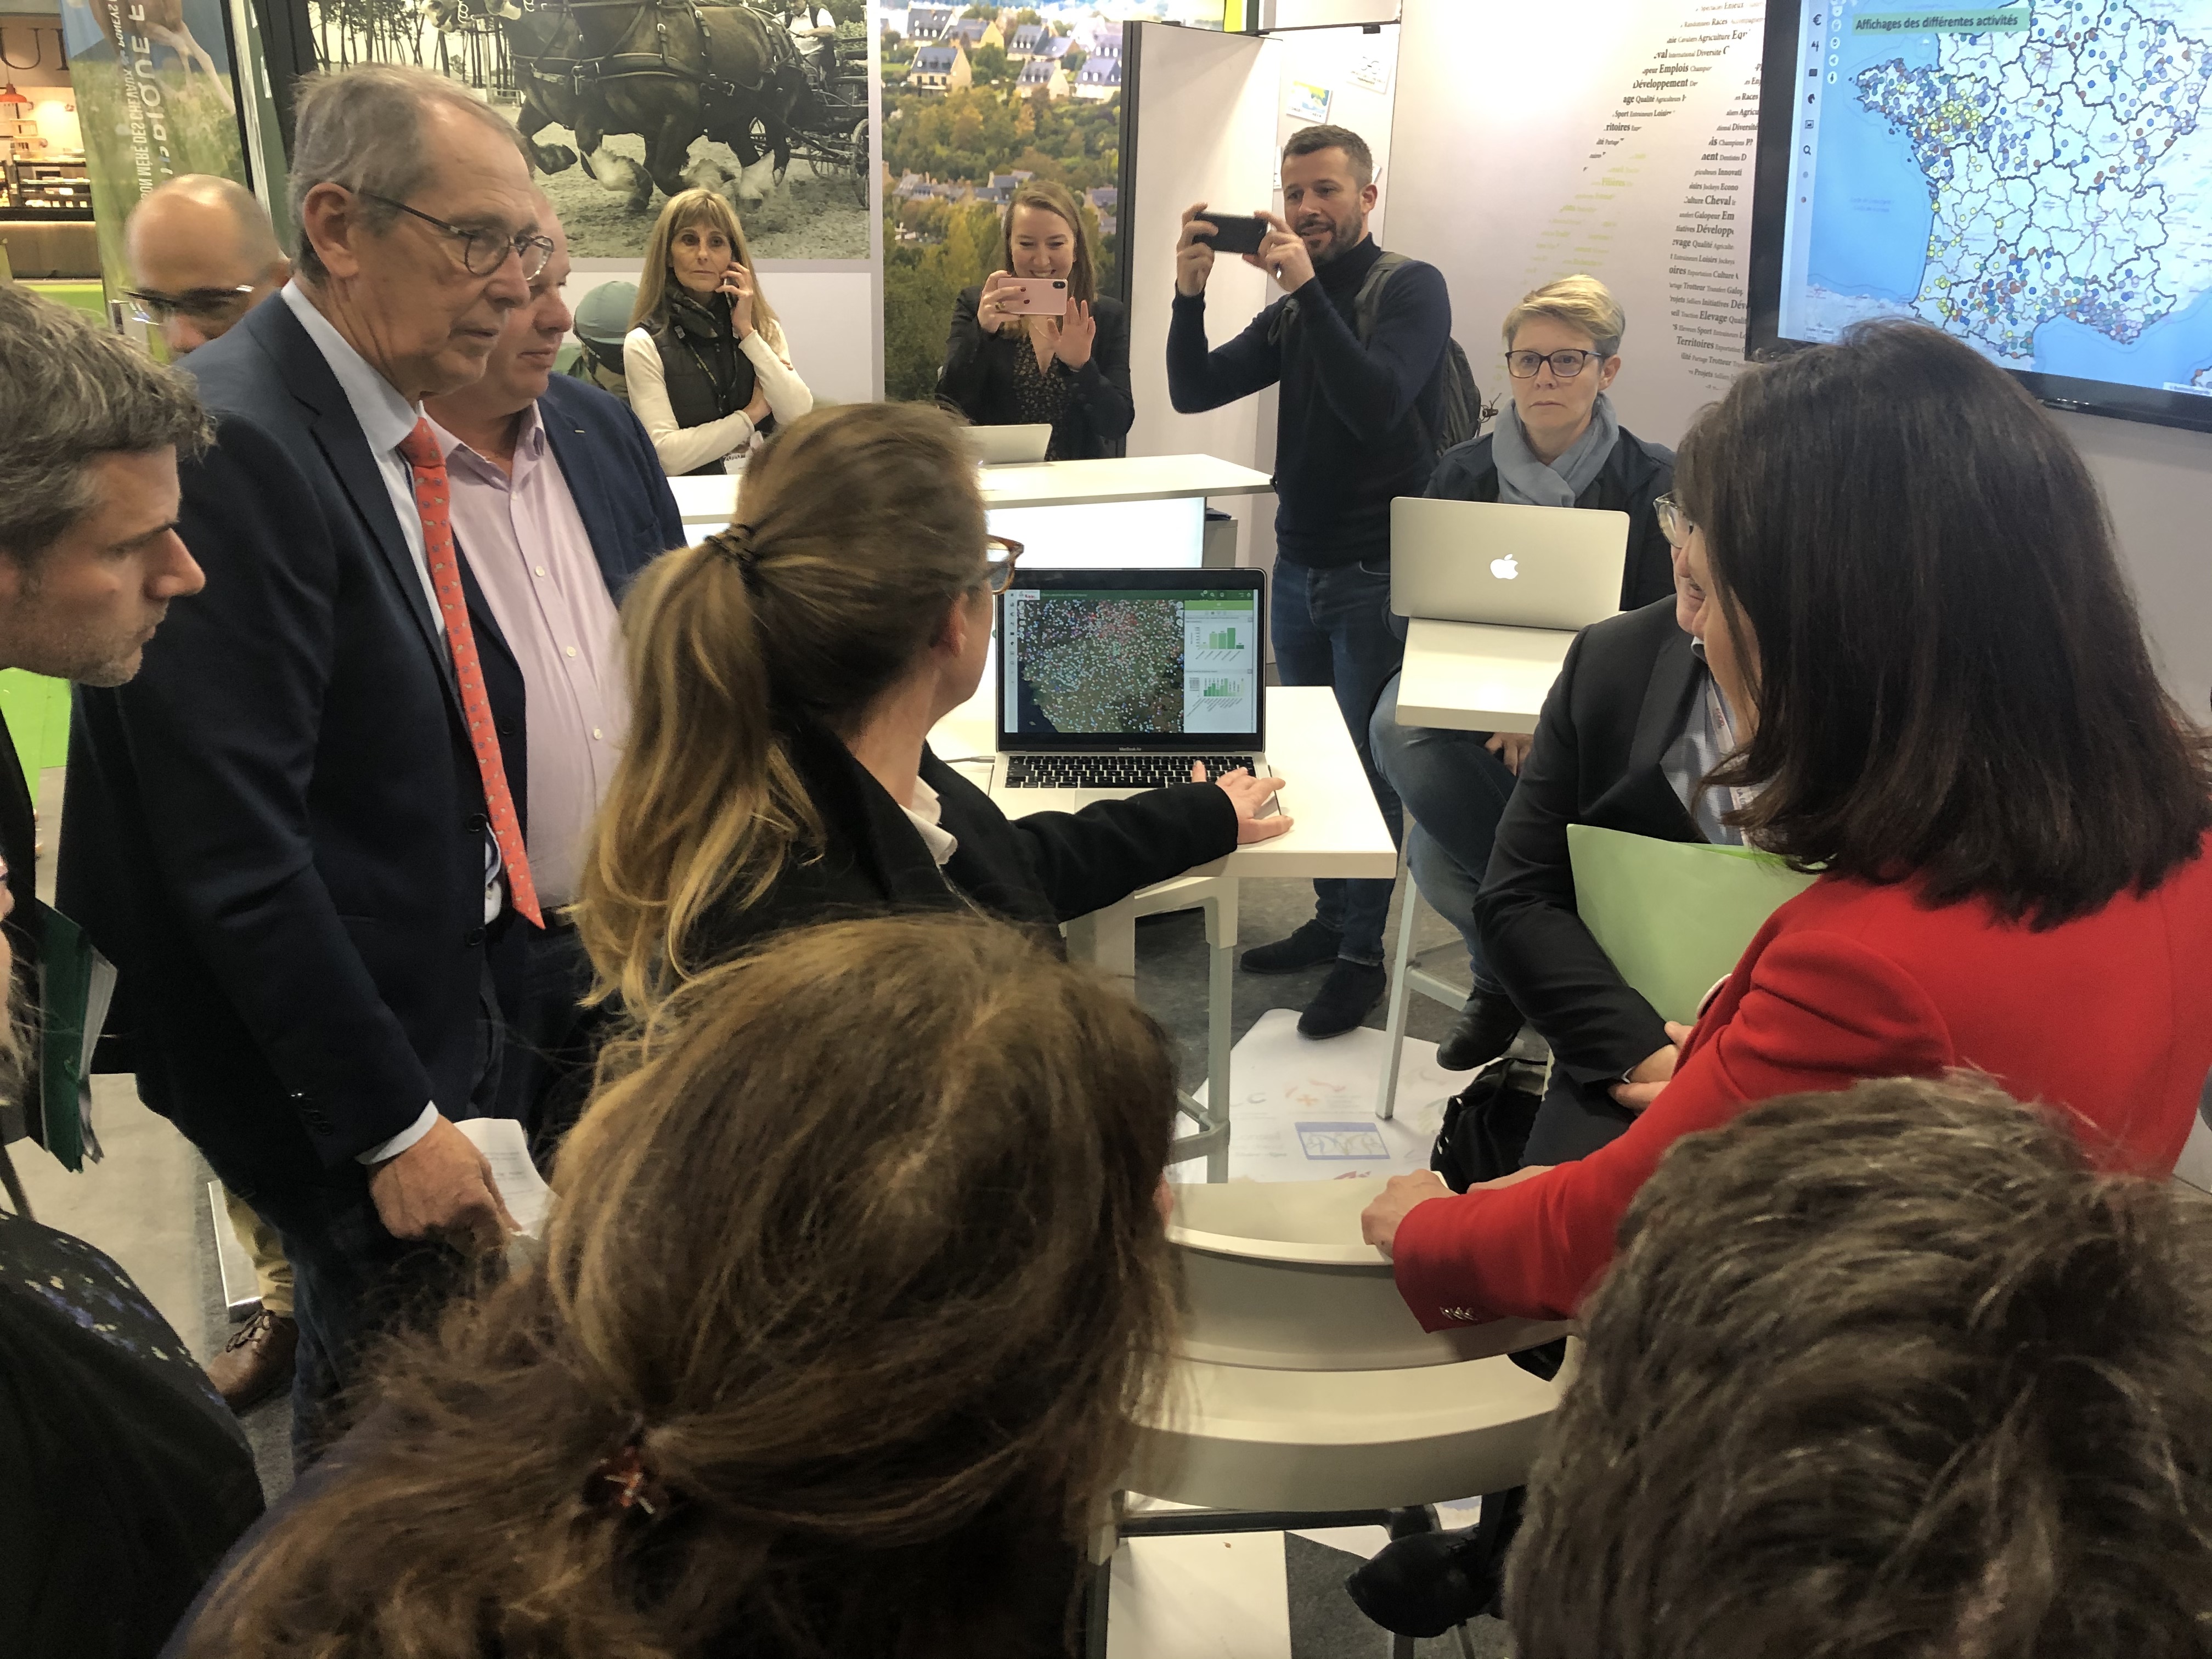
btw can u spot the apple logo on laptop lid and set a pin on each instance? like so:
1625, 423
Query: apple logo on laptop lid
1504, 569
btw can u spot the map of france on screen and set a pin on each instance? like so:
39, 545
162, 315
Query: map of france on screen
2035, 179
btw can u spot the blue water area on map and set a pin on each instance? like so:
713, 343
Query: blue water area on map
2171, 348
1871, 223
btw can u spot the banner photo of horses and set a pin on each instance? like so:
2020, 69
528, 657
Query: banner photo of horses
154, 98
626, 102
978, 99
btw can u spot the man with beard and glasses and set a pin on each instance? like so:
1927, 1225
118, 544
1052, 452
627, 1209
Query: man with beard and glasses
1357, 344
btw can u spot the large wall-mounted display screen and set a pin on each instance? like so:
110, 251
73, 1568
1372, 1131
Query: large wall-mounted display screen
2034, 178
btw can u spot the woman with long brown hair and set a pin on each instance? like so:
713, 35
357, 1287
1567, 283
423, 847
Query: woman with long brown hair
1004, 366
784, 678
853, 1292
1938, 695
705, 360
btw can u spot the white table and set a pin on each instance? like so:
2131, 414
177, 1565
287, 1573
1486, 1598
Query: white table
711, 500
1142, 512
1336, 830
1470, 676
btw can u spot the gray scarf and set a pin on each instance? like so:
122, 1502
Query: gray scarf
1522, 478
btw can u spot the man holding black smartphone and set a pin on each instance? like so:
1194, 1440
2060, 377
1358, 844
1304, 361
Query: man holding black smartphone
1357, 344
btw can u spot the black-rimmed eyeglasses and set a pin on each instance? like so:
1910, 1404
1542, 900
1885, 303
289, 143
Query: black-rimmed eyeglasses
484, 251
1673, 524
201, 305
1524, 365
999, 553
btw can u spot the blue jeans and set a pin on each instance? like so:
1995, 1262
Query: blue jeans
1456, 791
1333, 627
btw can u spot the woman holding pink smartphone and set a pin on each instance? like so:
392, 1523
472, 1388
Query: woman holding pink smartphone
1037, 344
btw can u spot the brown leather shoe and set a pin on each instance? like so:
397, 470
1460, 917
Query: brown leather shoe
256, 1362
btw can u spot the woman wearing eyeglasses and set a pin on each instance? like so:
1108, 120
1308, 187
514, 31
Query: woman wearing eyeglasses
705, 359
784, 678
1556, 444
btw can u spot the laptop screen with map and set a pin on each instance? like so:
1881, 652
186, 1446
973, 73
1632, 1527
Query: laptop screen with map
1163, 660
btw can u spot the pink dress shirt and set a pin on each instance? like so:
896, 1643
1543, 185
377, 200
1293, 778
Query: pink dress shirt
524, 540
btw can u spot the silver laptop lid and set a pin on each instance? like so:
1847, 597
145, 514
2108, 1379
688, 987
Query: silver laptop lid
1499, 562
1009, 446
1132, 662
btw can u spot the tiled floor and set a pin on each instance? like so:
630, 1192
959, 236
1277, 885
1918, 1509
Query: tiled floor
1247, 1597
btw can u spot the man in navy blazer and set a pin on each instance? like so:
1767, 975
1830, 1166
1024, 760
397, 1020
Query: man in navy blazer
281, 833
558, 500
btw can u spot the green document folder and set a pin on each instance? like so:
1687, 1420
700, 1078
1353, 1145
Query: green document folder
75, 985
1674, 916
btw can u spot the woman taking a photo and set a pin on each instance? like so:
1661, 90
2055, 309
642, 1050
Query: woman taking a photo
1940, 697
784, 678
1556, 444
1003, 367
705, 358
855, 1288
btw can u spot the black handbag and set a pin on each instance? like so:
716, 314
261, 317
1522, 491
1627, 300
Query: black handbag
1486, 1124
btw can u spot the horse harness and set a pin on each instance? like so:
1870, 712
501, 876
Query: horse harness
582, 74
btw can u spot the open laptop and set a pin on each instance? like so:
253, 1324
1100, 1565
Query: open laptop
1009, 446
1113, 681
1507, 565
1497, 592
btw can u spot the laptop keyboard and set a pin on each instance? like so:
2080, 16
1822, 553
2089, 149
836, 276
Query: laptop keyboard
1113, 771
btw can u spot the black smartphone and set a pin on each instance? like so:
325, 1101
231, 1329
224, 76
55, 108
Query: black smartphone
1236, 232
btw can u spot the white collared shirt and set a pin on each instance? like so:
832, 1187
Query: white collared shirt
926, 812
384, 417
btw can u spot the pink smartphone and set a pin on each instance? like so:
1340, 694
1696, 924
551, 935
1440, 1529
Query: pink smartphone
1034, 296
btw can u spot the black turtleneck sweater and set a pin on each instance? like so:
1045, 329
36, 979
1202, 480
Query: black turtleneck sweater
1346, 438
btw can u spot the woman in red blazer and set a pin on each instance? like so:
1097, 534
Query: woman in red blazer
1944, 701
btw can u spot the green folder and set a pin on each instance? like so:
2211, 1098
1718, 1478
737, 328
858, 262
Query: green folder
75, 985
1674, 916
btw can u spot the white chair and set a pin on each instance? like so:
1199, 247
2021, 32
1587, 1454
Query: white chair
1407, 976
1276, 1418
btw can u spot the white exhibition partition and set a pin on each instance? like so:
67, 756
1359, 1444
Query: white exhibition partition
1629, 158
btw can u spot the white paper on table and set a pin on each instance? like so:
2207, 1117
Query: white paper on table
524, 1191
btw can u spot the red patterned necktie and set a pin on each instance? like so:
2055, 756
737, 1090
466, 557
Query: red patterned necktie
420, 449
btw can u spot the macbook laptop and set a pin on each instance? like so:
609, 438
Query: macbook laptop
1009, 446
1113, 681
1508, 565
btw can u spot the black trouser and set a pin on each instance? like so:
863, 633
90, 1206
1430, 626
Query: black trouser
552, 1040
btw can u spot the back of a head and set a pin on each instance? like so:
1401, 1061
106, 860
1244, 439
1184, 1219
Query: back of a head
863, 524
364, 128
1952, 681
1888, 1372
857, 1250
71, 391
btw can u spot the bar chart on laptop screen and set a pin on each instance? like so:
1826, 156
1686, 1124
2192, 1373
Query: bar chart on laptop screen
1221, 662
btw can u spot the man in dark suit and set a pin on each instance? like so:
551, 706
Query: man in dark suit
558, 500
294, 832
1631, 727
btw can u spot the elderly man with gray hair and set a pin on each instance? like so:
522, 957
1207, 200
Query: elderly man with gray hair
297, 834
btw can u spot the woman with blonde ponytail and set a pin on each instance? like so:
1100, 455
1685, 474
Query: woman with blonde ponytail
784, 677
780, 1387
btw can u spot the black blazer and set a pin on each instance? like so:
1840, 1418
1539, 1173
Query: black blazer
979, 376
1634, 476
620, 488
1622, 698
277, 831
1042, 870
